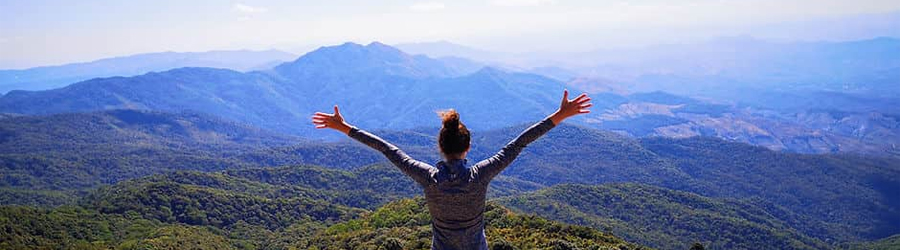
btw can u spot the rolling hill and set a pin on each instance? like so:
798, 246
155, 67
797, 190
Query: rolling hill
49, 160
76, 151
664, 218
838, 198
307, 206
265, 209
405, 224
852, 195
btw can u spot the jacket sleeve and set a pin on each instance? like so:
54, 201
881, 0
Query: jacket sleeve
420, 172
491, 167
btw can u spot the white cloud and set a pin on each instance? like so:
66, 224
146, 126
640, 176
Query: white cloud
427, 6
522, 3
247, 9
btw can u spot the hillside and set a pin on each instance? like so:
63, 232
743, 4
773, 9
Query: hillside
405, 224
664, 218
48, 160
892, 242
841, 198
267, 208
853, 196
244, 97
843, 191
813, 122
131, 128
76, 151
307, 206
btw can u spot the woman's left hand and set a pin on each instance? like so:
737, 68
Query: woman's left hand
333, 121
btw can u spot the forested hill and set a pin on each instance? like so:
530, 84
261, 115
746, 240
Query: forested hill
82, 150
406, 224
132, 128
669, 219
833, 199
76, 152
307, 206
265, 209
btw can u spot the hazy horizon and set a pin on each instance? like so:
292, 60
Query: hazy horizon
41, 33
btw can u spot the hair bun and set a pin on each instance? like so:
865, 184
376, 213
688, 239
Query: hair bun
454, 137
450, 118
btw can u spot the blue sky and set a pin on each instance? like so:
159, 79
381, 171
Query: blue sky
42, 32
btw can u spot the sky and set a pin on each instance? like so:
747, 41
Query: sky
47, 32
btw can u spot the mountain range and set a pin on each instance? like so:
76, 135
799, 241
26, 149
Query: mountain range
51, 77
816, 122
720, 67
375, 80
367, 80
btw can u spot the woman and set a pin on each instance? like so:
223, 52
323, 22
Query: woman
455, 192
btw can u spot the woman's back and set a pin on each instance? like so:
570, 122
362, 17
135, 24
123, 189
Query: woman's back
456, 203
455, 193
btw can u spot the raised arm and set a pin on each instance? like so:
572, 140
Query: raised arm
419, 171
491, 167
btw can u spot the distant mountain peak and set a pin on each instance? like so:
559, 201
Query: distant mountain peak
490, 70
351, 51
377, 44
373, 59
443, 48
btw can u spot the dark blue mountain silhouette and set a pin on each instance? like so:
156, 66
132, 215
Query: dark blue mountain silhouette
51, 77
380, 87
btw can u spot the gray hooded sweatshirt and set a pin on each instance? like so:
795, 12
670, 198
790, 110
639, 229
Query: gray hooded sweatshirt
455, 193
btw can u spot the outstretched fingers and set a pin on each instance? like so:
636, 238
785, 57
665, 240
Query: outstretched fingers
321, 119
333, 120
584, 107
581, 98
583, 101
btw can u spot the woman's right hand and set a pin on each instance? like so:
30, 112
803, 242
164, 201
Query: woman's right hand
569, 108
